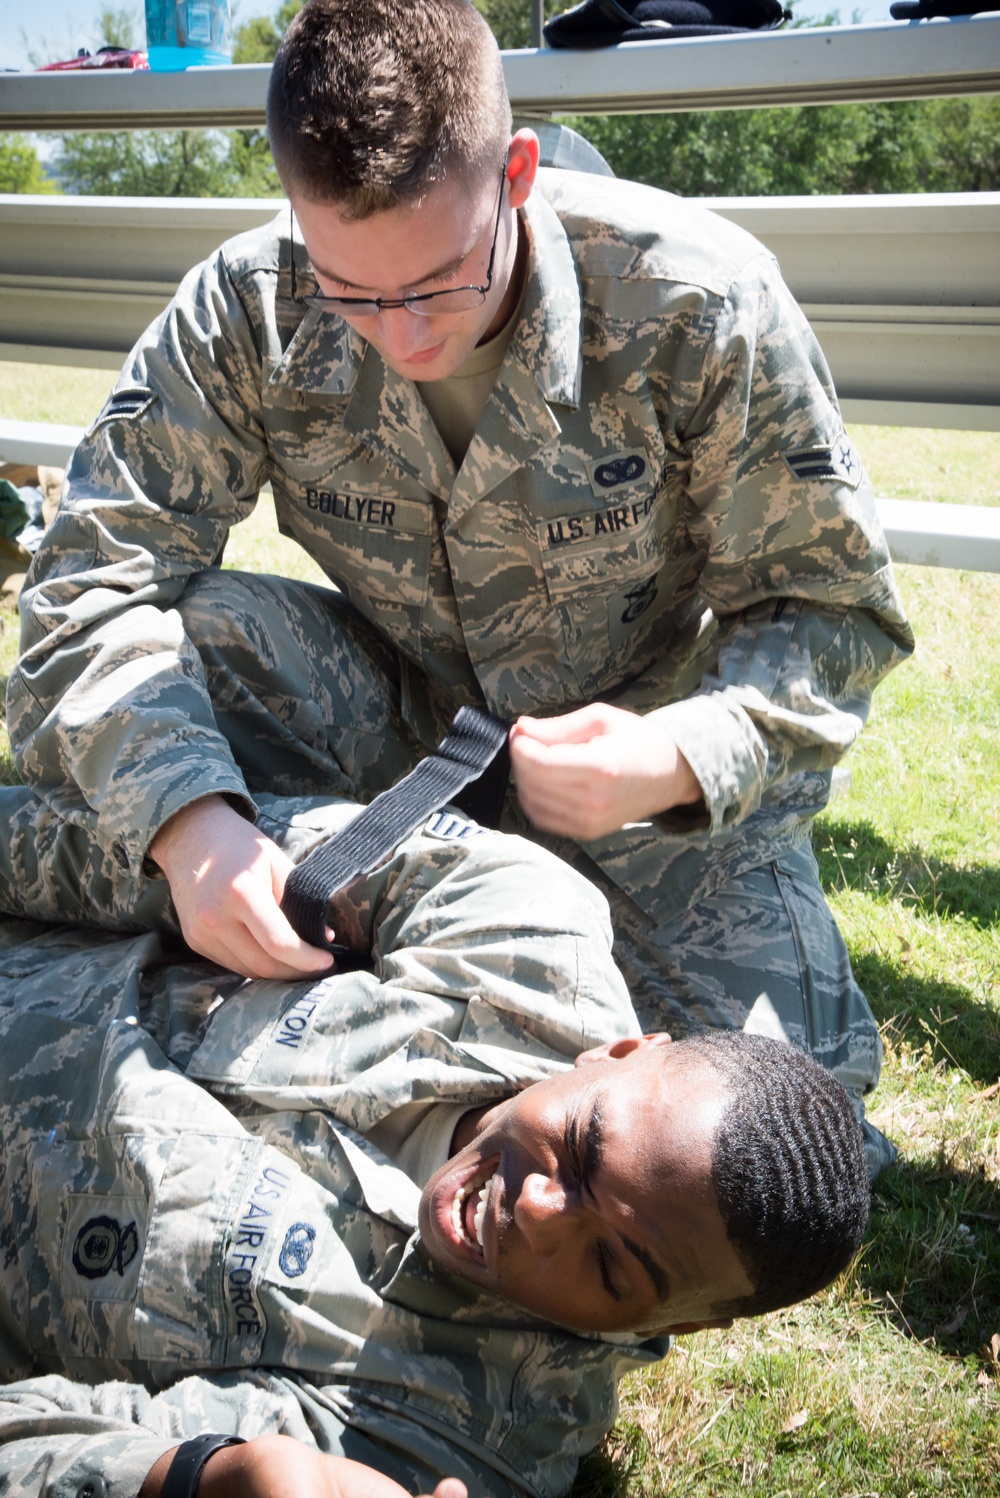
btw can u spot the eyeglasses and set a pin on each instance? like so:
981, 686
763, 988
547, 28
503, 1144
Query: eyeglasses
424, 304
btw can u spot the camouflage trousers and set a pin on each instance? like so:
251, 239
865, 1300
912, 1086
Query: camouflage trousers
311, 700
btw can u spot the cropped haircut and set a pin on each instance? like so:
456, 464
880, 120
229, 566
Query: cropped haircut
371, 102
788, 1168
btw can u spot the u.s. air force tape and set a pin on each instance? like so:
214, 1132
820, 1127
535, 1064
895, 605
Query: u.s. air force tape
467, 753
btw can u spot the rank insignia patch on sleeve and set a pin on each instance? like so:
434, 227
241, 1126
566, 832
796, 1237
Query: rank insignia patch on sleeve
127, 404
841, 461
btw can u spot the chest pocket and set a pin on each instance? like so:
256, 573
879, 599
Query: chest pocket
613, 575
371, 543
122, 1276
377, 548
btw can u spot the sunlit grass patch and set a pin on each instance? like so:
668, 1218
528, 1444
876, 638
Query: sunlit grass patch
49, 392
961, 468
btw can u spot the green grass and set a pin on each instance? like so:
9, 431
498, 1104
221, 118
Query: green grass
888, 1384
48, 392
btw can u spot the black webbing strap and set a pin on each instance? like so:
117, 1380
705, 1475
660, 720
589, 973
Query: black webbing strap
190, 1460
468, 749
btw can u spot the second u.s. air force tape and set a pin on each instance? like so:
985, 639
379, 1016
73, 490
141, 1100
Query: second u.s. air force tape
464, 755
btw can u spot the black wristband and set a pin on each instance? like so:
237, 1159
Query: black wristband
189, 1461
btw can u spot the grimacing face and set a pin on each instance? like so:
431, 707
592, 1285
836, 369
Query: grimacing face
439, 242
588, 1200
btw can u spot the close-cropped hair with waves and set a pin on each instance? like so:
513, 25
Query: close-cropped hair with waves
371, 102
788, 1168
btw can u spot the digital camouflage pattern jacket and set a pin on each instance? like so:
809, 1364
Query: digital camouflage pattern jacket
659, 507
232, 1252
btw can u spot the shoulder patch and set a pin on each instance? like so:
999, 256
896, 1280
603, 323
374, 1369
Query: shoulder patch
127, 404
841, 462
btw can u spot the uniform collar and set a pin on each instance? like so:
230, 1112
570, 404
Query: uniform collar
326, 357
416, 1282
324, 354
548, 338
387, 1191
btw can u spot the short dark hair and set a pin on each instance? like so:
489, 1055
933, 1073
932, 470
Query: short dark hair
371, 102
788, 1168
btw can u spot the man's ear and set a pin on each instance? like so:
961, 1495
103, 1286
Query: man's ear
522, 165
617, 1050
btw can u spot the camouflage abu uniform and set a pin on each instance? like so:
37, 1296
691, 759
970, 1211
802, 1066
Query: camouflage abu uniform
659, 508
155, 1233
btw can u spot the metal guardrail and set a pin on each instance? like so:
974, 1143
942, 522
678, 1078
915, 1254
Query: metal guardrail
938, 535
38, 442
904, 292
825, 65
81, 278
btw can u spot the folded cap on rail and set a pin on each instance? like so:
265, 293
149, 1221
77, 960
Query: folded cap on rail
926, 10
603, 23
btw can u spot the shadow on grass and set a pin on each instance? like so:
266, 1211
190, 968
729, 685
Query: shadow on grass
935, 1013
933, 1256
855, 856
942, 1017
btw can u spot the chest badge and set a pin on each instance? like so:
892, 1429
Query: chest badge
638, 600
104, 1245
616, 471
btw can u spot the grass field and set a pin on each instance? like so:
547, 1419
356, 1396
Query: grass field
887, 1385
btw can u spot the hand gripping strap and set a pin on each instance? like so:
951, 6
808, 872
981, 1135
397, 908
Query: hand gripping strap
471, 744
184, 1472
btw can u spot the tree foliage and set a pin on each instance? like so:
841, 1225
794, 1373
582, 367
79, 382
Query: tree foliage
510, 20
110, 28
20, 168
148, 164
177, 163
118, 28
967, 138
257, 40
939, 145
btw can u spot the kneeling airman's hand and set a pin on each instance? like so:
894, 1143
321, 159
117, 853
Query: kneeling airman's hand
226, 879
589, 772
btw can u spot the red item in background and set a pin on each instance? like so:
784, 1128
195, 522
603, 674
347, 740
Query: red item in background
105, 57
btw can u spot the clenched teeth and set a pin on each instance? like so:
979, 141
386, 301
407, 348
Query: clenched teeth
477, 1221
458, 1213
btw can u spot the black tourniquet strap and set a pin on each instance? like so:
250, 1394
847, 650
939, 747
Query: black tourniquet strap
468, 749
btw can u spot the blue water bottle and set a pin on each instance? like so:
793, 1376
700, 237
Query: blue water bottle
187, 34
